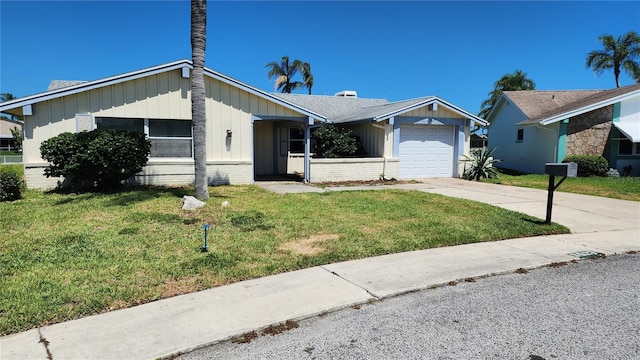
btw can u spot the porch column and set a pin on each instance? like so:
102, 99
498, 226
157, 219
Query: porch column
562, 140
307, 150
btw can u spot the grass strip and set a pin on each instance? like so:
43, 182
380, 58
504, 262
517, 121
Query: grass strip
64, 256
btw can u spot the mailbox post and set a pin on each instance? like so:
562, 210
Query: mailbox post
557, 169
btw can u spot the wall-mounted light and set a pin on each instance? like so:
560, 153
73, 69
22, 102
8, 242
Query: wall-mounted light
229, 134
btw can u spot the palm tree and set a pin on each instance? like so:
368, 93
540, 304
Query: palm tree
284, 71
198, 114
617, 54
307, 77
508, 82
8, 97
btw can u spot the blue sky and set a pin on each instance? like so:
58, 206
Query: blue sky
395, 50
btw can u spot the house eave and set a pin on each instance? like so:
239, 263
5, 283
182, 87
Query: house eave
426, 102
6, 107
14, 107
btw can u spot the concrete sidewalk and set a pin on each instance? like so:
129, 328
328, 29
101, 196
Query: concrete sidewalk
182, 323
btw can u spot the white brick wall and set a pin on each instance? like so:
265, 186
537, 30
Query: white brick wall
35, 179
323, 170
172, 172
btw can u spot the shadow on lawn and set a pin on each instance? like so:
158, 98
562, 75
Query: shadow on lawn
125, 195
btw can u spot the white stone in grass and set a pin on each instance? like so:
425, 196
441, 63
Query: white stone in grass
191, 203
225, 204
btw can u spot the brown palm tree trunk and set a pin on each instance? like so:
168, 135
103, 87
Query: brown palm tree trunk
198, 114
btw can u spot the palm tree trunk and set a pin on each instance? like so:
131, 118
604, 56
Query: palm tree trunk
199, 118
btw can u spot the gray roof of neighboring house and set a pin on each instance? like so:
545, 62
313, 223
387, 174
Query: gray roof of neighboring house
584, 101
534, 103
59, 84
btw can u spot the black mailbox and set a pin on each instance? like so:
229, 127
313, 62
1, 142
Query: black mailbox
561, 169
557, 169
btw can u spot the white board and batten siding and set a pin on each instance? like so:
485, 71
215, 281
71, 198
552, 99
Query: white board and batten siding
158, 96
426, 151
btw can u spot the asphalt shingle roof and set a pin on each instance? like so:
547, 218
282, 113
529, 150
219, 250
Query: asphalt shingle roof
341, 109
585, 101
533, 103
59, 84
541, 105
334, 108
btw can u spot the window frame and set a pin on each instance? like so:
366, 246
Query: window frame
146, 130
635, 147
520, 135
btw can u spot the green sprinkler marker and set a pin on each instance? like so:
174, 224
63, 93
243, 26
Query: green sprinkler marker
205, 247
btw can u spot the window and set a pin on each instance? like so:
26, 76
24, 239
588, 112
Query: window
120, 124
291, 141
520, 136
296, 140
626, 147
169, 138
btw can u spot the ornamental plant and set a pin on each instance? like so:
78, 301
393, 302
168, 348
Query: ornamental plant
10, 186
330, 141
480, 165
589, 165
100, 159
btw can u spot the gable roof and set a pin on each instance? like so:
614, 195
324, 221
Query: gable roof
14, 107
340, 109
586, 104
533, 103
323, 108
332, 107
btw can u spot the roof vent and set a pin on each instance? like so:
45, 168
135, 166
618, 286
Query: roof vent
347, 93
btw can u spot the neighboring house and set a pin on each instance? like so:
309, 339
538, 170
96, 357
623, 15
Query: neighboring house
6, 137
531, 128
250, 132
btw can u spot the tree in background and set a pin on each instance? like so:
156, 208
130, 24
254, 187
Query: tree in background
307, 77
17, 138
617, 54
284, 71
198, 110
8, 97
508, 82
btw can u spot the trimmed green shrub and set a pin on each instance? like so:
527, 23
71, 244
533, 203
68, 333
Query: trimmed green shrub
100, 158
330, 141
589, 165
10, 186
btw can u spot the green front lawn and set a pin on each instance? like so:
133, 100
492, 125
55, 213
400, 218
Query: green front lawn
626, 188
68, 256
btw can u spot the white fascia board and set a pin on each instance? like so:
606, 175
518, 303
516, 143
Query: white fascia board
588, 108
429, 101
262, 94
29, 100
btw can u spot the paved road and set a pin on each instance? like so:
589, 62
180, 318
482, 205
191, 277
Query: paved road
584, 310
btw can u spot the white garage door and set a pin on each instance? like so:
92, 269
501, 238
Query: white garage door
426, 151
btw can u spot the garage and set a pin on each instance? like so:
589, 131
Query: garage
426, 151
